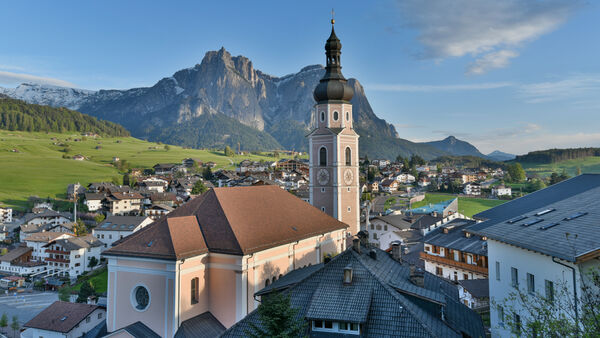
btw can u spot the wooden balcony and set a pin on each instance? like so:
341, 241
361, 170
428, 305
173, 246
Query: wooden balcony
453, 263
61, 252
59, 260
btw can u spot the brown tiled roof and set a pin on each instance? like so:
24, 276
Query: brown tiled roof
15, 253
238, 220
127, 195
61, 316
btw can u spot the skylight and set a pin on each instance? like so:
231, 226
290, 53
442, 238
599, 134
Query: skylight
548, 226
532, 222
516, 219
575, 215
543, 212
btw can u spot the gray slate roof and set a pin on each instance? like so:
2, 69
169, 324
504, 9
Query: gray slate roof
289, 279
139, 330
578, 194
204, 325
120, 223
372, 300
479, 288
455, 238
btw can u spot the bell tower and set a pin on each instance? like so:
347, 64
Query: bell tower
333, 145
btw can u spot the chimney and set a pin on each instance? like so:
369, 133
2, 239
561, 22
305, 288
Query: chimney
373, 254
416, 276
348, 275
396, 252
356, 245
364, 237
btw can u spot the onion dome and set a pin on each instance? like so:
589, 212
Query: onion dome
333, 86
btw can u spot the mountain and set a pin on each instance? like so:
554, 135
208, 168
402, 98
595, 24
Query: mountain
19, 115
456, 147
224, 100
500, 156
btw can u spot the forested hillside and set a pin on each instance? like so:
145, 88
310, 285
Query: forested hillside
557, 155
19, 115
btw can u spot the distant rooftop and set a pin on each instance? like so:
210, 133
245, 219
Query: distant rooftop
428, 209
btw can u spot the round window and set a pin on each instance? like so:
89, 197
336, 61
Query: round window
335, 116
140, 298
322, 116
347, 116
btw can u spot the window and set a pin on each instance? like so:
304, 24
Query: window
109, 236
267, 282
335, 116
549, 291
88, 319
194, 290
500, 315
517, 328
385, 227
322, 116
497, 270
514, 274
348, 156
347, 116
140, 298
374, 235
465, 276
322, 189
323, 209
99, 315
439, 271
318, 324
530, 283
349, 209
323, 157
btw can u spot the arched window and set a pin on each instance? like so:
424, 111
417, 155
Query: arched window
267, 282
274, 279
194, 290
347, 116
322, 116
348, 156
335, 116
323, 157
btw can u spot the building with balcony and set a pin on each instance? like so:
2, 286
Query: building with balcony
123, 203
71, 256
114, 228
452, 252
6, 215
37, 241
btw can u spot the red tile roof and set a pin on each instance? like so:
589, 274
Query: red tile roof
238, 220
61, 316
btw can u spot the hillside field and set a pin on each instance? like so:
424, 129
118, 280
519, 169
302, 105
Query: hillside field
37, 167
467, 206
588, 165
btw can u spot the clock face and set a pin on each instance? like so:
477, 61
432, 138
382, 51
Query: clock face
348, 176
323, 176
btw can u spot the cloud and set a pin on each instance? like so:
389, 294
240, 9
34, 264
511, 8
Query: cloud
10, 78
577, 88
437, 88
523, 143
489, 30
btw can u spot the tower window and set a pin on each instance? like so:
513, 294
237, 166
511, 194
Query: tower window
323, 209
323, 157
347, 116
194, 290
322, 116
348, 156
335, 116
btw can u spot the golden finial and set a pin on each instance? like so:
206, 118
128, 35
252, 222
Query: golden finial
332, 16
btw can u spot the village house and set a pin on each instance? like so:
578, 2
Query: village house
114, 228
123, 203
65, 319
472, 189
501, 190
289, 165
212, 254
405, 178
6, 215
366, 292
541, 244
93, 201
156, 211
71, 256
454, 253
37, 241
18, 261
389, 185
474, 293
164, 168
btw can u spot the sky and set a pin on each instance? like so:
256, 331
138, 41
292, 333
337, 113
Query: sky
511, 75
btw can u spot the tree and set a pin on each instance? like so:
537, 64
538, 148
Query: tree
416, 160
167, 147
228, 152
578, 171
207, 174
555, 178
556, 314
399, 159
15, 324
4, 321
277, 318
199, 188
79, 228
517, 173
93, 262
64, 294
86, 290
275, 154
535, 185
439, 168
99, 218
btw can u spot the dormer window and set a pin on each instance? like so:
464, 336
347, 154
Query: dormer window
337, 327
335, 116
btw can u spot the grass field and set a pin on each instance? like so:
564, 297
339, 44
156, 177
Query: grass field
467, 206
37, 168
588, 165
99, 280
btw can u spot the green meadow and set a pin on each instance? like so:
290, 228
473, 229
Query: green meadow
588, 165
467, 206
37, 167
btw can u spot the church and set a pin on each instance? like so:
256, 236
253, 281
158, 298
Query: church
198, 267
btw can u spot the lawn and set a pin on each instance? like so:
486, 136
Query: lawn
99, 280
467, 206
588, 165
37, 168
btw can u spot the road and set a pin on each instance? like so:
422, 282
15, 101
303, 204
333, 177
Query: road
25, 306
378, 203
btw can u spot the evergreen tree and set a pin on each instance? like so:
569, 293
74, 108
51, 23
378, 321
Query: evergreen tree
517, 173
228, 152
207, 174
93, 262
15, 324
277, 318
199, 188
79, 228
64, 294
4, 321
86, 290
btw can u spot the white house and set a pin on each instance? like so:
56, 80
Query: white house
72, 255
114, 228
472, 188
538, 245
64, 319
93, 201
405, 178
474, 293
6, 215
36, 242
501, 190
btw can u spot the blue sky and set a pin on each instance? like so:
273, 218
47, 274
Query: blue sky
509, 75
